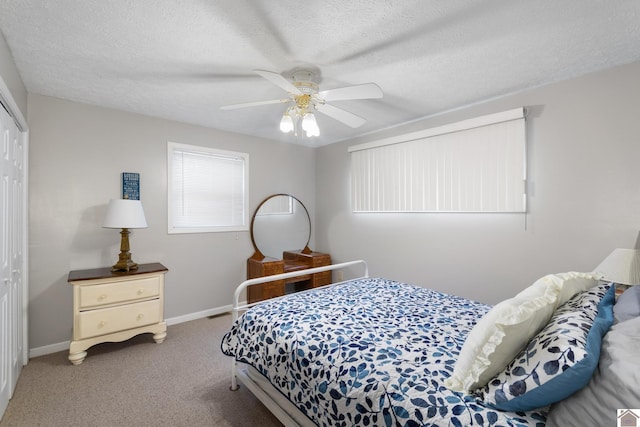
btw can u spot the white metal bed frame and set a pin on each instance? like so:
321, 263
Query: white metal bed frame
263, 393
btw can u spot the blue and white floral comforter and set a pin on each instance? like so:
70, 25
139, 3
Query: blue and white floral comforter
367, 352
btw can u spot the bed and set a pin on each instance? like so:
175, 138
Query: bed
374, 351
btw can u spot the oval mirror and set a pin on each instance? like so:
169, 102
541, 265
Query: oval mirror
280, 223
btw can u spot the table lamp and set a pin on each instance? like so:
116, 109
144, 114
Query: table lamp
622, 266
124, 214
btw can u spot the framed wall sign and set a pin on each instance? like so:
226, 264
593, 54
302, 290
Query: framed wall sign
131, 185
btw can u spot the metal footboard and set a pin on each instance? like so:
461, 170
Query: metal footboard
237, 307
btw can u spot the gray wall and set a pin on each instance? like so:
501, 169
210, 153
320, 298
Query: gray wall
584, 197
584, 201
77, 155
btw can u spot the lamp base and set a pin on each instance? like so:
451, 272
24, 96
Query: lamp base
125, 263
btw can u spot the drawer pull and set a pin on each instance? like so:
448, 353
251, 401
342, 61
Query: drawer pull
140, 316
140, 291
102, 297
101, 324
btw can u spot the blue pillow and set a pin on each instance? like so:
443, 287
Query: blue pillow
558, 361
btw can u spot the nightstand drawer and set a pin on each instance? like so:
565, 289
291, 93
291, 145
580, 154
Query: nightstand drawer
112, 293
104, 321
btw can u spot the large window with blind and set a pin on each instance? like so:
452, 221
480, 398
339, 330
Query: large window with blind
207, 189
478, 165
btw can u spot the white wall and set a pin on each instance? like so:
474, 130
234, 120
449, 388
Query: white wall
584, 197
77, 155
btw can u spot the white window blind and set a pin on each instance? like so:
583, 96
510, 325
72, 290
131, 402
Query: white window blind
207, 189
478, 165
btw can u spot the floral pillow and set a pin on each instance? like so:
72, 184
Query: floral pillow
501, 333
560, 359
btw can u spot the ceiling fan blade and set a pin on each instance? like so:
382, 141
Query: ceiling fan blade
279, 81
254, 104
363, 91
341, 115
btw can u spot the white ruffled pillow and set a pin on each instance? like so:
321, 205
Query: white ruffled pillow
500, 335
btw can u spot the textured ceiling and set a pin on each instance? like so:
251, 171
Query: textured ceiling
183, 60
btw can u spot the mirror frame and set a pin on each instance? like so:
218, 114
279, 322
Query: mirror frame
259, 255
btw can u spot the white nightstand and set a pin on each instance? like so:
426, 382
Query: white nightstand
113, 306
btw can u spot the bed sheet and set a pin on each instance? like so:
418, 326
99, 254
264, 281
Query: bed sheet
367, 352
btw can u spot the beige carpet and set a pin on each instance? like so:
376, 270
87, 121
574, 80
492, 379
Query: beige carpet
181, 382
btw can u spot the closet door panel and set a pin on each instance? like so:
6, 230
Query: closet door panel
6, 338
16, 160
12, 234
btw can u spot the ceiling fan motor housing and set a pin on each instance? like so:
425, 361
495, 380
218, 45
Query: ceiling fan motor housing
304, 80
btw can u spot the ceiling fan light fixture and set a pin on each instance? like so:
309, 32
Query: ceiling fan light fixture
310, 125
286, 123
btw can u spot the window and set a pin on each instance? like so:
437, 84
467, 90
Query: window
276, 206
207, 189
477, 165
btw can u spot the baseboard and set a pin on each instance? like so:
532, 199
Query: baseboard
199, 315
64, 346
48, 349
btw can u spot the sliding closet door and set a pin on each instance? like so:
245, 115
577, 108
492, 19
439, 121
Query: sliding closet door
5, 264
15, 220
11, 255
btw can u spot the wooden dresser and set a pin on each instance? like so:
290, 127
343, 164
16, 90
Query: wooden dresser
282, 221
260, 266
113, 306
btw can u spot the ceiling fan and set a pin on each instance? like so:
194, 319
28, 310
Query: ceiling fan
304, 97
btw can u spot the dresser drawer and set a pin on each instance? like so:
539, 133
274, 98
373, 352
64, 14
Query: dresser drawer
106, 320
112, 293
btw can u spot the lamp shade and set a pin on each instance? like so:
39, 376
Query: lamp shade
621, 266
124, 213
